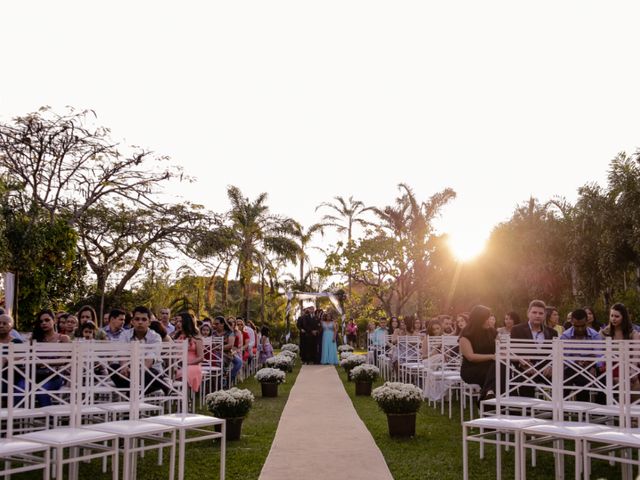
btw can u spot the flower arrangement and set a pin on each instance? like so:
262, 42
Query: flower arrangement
290, 354
281, 362
353, 361
364, 373
270, 375
345, 348
232, 403
345, 355
396, 397
291, 347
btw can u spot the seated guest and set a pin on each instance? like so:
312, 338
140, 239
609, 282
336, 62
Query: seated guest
534, 329
158, 327
115, 326
592, 321
205, 329
620, 326
6, 326
140, 332
231, 360
70, 326
434, 329
195, 349
447, 325
43, 332
165, 315
553, 320
86, 331
510, 319
88, 314
478, 349
580, 331
461, 322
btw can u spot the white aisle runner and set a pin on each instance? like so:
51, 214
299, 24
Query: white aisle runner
320, 435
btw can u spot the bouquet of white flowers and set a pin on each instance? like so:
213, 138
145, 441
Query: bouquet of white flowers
365, 373
291, 347
281, 362
353, 361
270, 375
230, 403
290, 354
345, 348
345, 355
396, 397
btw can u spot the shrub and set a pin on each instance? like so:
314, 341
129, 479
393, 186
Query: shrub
270, 375
230, 403
365, 373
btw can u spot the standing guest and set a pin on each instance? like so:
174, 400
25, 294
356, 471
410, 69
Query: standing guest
329, 335
553, 319
300, 323
352, 333
195, 350
478, 349
318, 317
510, 319
165, 315
44, 332
115, 325
265, 350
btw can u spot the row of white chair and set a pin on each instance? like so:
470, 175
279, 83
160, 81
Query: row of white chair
551, 416
107, 393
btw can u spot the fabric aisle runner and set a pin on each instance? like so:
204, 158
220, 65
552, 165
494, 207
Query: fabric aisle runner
320, 435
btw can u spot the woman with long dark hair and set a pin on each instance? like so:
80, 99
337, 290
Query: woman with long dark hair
44, 332
478, 349
620, 326
195, 350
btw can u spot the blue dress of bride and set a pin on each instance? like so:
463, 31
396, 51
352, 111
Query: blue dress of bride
329, 348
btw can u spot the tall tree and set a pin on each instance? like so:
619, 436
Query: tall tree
346, 214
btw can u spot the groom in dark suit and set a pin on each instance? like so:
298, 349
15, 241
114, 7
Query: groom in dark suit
534, 329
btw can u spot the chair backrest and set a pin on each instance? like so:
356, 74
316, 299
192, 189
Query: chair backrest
212, 351
524, 365
159, 364
101, 362
15, 368
409, 349
54, 370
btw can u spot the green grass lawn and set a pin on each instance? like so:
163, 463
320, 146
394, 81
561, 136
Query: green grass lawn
436, 450
245, 457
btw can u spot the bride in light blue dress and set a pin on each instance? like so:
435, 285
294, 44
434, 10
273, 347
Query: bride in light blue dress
329, 332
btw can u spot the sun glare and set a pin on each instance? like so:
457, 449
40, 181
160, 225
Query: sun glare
466, 247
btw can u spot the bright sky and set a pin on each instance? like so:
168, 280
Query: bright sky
307, 100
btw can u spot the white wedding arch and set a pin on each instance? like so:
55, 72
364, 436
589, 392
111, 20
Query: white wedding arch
297, 296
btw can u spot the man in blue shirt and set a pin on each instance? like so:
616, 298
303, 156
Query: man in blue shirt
114, 329
580, 331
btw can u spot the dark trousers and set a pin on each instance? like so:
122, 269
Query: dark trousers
481, 373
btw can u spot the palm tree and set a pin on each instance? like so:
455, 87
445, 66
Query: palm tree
349, 213
304, 238
256, 233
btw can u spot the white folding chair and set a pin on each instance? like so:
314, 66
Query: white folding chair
409, 357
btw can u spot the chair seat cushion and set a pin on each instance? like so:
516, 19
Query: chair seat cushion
629, 437
190, 420
565, 429
15, 446
510, 422
131, 428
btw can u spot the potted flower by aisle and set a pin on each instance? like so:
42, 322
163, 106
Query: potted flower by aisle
351, 362
401, 402
232, 405
269, 379
364, 376
281, 361
290, 347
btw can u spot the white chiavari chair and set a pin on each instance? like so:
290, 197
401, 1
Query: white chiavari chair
17, 456
61, 364
409, 357
199, 427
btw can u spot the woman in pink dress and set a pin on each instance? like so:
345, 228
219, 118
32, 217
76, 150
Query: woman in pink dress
195, 350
